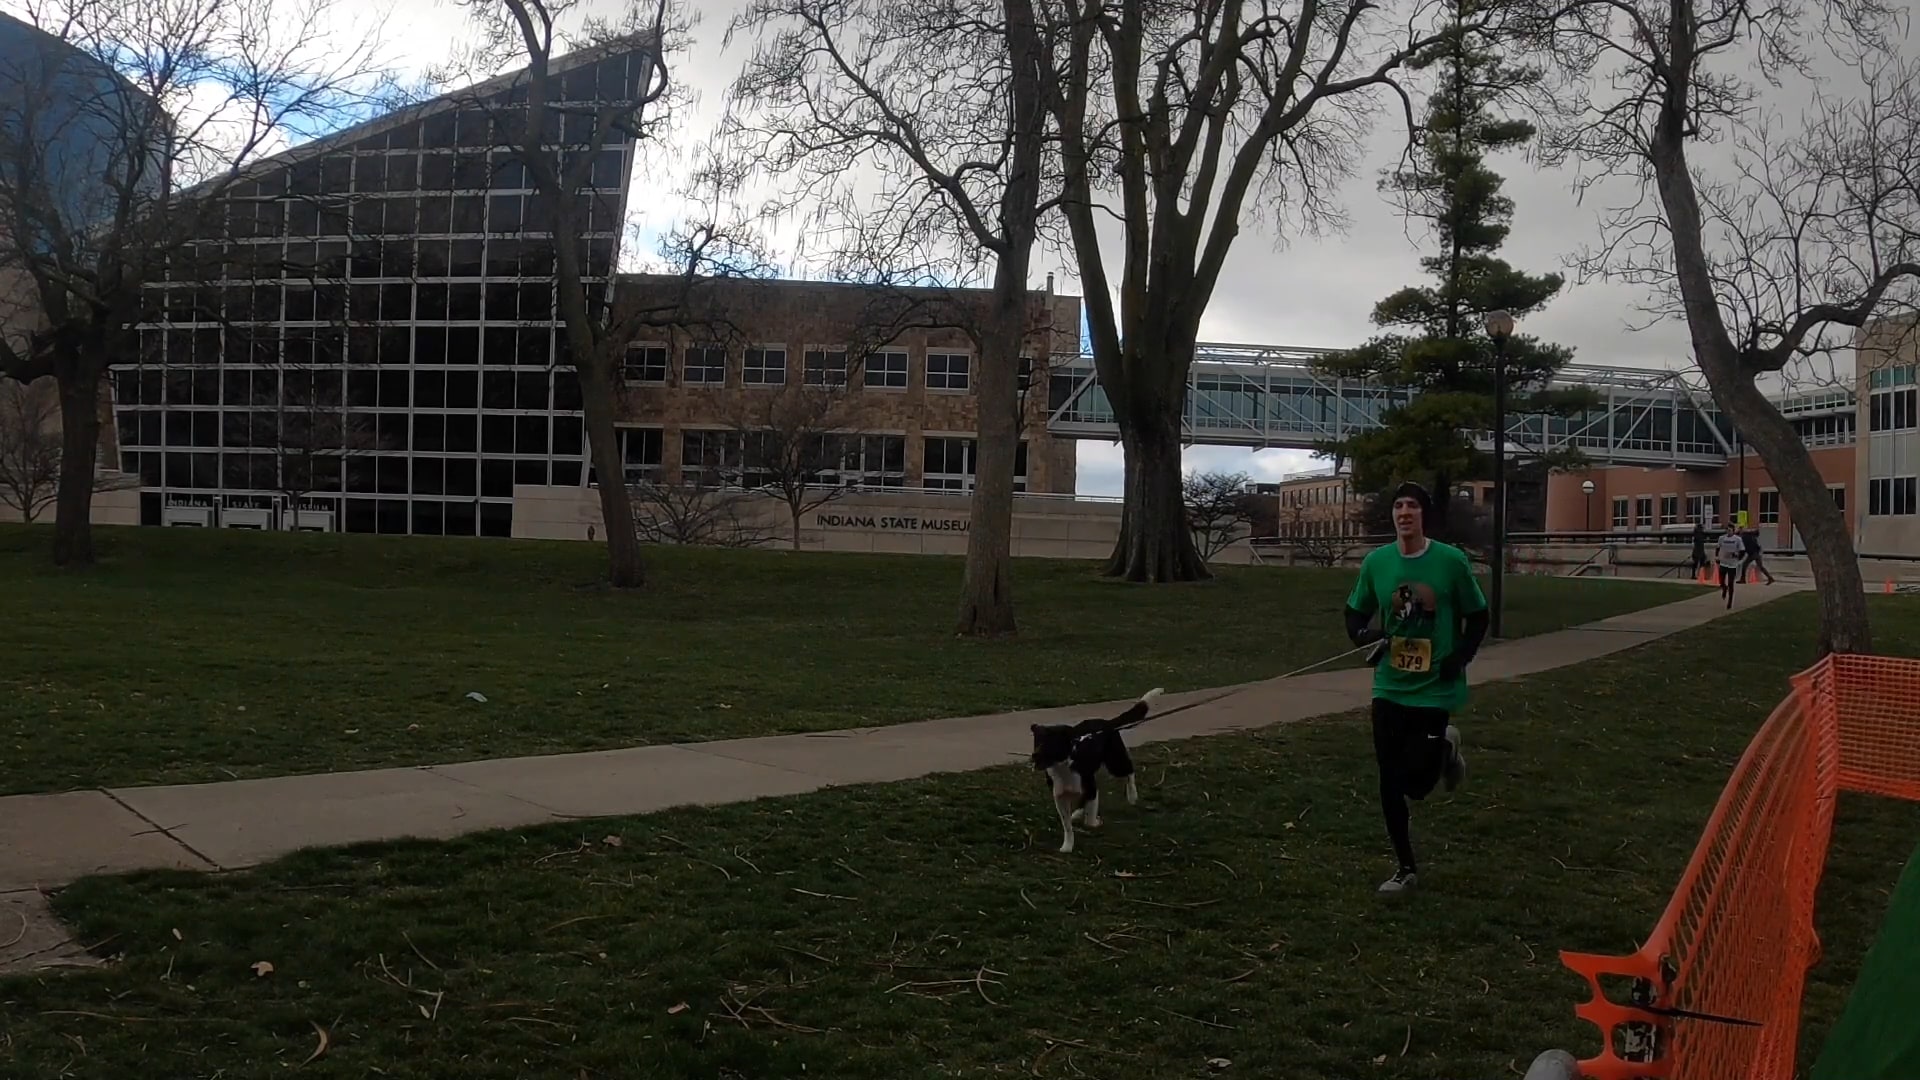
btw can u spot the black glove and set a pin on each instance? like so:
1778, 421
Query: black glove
1358, 631
1453, 666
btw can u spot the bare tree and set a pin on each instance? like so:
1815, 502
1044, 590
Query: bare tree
940, 106
1787, 255
795, 441
1178, 119
29, 447
312, 439
711, 502
561, 140
1217, 510
121, 124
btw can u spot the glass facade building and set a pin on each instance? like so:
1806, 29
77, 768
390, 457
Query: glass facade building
370, 342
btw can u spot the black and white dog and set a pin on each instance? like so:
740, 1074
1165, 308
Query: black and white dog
1070, 755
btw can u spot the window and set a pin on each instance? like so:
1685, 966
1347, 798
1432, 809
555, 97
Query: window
710, 458
1643, 512
706, 365
887, 369
947, 464
947, 371
765, 366
1893, 410
1703, 508
1026, 373
1835, 430
640, 453
1892, 496
874, 461
1769, 508
1737, 504
1669, 509
826, 367
645, 364
1895, 376
1620, 512
1839, 493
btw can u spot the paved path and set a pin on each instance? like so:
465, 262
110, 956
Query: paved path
49, 840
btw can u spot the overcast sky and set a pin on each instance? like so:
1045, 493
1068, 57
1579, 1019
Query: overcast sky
1303, 292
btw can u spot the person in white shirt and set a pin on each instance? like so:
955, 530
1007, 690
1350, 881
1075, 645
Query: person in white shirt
1728, 554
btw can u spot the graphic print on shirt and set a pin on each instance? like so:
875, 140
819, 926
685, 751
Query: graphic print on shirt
1412, 615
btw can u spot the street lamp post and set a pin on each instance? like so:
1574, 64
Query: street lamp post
1499, 327
1586, 488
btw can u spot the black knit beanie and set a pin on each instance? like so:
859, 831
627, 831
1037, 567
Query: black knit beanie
1411, 490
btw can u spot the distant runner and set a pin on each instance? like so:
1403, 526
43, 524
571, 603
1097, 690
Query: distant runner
1752, 540
1729, 553
1432, 619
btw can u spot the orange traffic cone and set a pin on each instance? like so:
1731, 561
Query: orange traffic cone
1887, 587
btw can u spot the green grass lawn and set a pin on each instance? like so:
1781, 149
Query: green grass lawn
190, 655
928, 929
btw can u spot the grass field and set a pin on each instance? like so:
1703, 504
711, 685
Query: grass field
191, 656
928, 929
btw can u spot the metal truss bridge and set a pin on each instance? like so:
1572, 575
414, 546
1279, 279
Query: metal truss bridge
1269, 396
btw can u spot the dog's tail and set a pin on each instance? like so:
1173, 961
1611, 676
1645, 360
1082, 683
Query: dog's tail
1138, 713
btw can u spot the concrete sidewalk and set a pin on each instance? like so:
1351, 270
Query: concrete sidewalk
49, 840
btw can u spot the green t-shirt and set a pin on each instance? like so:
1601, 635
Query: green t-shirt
1422, 599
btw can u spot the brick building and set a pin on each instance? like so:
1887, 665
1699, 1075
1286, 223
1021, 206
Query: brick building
907, 411
1876, 489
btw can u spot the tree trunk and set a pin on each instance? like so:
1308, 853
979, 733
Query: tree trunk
986, 592
624, 568
79, 445
794, 510
1844, 625
1156, 540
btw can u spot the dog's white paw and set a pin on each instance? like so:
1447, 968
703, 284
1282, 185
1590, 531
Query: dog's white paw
1153, 693
1066, 846
1133, 792
1093, 823
1077, 815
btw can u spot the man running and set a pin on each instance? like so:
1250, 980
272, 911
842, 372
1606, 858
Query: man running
1729, 553
1751, 540
1432, 619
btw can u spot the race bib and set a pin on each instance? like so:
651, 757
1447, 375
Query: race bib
1412, 654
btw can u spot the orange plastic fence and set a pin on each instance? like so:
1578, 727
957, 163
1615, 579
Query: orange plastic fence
1715, 991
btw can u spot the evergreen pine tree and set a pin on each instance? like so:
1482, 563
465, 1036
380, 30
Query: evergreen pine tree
1436, 347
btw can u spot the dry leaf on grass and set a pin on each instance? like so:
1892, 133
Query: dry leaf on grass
677, 1009
262, 968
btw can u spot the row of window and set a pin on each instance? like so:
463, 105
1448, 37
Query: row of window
319, 390
731, 459
1703, 508
306, 431
1838, 429
206, 267
200, 357
1885, 378
1893, 496
768, 365
1316, 496
440, 205
1893, 410
421, 517
365, 474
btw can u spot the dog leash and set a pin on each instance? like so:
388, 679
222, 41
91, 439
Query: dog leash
1209, 699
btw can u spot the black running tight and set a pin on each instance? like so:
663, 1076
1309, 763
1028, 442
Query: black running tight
1410, 748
